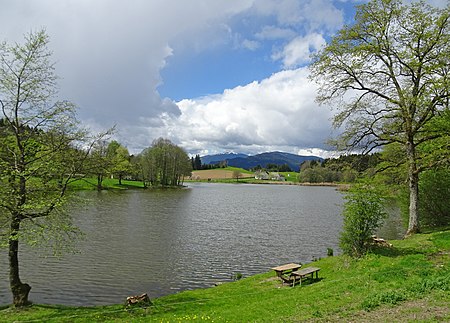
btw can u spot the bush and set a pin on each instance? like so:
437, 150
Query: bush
363, 215
433, 194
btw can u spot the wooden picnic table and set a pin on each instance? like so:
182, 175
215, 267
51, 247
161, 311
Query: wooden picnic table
284, 269
300, 274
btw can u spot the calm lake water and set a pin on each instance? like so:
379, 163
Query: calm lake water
162, 242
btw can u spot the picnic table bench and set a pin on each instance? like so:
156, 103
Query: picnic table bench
284, 269
291, 274
284, 272
300, 274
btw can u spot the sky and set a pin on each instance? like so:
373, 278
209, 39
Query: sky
212, 76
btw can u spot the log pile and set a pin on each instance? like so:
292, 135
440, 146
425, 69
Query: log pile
140, 300
380, 242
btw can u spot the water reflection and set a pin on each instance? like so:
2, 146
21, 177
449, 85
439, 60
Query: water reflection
160, 242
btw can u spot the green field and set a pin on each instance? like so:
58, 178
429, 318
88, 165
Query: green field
225, 175
90, 183
407, 282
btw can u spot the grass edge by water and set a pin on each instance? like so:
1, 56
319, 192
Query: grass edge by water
389, 282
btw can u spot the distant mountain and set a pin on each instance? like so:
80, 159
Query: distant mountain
215, 159
247, 162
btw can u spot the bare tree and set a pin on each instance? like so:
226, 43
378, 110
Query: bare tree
237, 174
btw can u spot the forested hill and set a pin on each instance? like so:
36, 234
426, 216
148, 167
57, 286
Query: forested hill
263, 160
215, 159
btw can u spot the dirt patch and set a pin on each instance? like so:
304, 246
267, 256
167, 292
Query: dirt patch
271, 279
215, 174
410, 311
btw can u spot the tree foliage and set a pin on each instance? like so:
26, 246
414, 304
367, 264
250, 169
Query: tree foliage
388, 77
363, 215
119, 159
40, 154
164, 164
346, 168
196, 162
434, 194
99, 162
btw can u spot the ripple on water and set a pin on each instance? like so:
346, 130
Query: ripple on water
138, 241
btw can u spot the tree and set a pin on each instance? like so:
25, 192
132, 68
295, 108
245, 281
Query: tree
197, 162
165, 164
284, 168
99, 163
388, 76
363, 214
237, 174
434, 192
119, 159
40, 154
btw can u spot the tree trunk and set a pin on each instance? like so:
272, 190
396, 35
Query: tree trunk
99, 182
19, 290
413, 183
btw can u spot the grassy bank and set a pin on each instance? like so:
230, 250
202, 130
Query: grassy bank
408, 281
90, 183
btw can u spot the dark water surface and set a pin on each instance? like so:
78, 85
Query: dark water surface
161, 242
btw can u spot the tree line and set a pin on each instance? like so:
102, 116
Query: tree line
160, 165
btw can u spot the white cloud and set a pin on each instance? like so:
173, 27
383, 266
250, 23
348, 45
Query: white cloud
274, 32
298, 51
313, 15
250, 44
277, 112
318, 152
287, 12
110, 54
323, 16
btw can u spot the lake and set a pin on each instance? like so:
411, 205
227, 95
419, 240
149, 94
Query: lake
162, 242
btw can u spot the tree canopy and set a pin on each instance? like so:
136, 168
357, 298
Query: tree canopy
41, 151
387, 75
164, 164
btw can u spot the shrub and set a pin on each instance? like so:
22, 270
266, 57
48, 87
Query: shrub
433, 194
363, 214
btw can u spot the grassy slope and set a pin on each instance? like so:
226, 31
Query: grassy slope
410, 281
108, 183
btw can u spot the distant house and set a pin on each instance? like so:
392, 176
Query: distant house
261, 174
277, 177
274, 176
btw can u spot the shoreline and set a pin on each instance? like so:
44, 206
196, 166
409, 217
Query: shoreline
423, 258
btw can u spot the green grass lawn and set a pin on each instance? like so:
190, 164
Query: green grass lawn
90, 183
407, 282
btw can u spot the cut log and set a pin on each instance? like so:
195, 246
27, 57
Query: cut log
380, 242
138, 300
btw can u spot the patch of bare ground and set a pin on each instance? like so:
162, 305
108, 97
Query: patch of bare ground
440, 258
215, 174
419, 310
